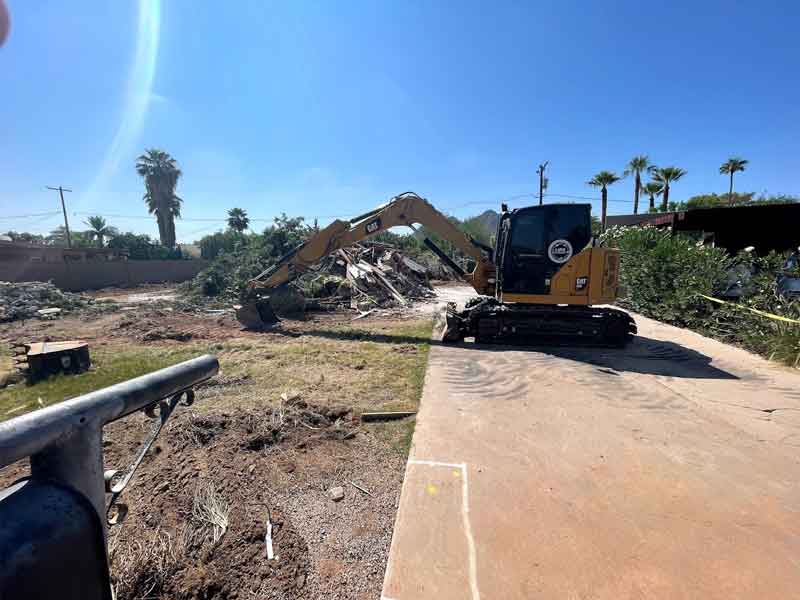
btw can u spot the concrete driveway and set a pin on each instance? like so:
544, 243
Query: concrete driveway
668, 469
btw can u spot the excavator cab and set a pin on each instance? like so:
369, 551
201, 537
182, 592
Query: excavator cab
533, 243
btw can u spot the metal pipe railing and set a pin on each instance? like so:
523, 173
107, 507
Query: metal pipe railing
64, 441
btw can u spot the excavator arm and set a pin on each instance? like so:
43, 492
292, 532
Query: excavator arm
407, 209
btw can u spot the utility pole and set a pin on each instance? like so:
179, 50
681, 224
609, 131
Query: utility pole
61, 191
540, 171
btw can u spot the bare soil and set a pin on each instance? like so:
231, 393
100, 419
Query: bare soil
263, 457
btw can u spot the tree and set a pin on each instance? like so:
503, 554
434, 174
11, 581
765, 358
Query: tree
652, 189
161, 174
477, 230
141, 247
58, 237
230, 240
717, 200
285, 234
731, 166
25, 237
635, 167
238, 219
664, 176
602, 180
99, 229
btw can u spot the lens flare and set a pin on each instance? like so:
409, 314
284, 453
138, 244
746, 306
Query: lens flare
138, 95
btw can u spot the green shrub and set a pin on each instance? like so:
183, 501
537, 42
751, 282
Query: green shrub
214, 244
247, 257
143, 247
661, 275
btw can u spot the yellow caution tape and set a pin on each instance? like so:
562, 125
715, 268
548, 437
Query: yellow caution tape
758, 312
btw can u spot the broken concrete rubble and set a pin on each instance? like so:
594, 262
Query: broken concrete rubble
28, 299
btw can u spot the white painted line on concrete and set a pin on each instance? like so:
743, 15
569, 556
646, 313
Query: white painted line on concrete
436, 463
473, 561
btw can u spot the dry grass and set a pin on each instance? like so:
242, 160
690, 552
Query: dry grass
109, 366
210, 510
368, 367
141, 567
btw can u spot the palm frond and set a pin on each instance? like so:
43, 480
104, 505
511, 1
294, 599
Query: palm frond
637, 164
733, 165
666, 175
603, 179
652, 188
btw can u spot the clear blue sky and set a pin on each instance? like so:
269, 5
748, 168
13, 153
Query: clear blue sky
330, 108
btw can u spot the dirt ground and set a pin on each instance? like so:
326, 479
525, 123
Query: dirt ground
245, 450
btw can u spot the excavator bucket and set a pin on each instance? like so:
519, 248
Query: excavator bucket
256, 314
451, 331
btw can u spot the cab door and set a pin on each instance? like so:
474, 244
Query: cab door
541, 240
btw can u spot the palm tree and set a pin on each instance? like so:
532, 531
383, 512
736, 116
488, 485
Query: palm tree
99, 229
636, 166
161, 174
238, 219
602, 180
730, 167
652, 189
664, 176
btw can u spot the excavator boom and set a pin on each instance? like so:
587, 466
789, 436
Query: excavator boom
407, 209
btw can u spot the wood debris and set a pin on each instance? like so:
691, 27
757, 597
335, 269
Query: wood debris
386, 416
360, 489
366, 276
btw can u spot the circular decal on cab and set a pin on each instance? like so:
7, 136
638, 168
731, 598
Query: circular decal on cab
560, 251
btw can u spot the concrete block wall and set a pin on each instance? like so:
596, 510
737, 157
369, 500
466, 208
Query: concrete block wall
80, 276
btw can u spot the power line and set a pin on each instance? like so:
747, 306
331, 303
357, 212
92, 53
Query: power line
36, 222
575, 197
223, 219
197, 219
47, 214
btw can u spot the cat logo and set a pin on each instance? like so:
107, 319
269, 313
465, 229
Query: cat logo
372, 226
560, 251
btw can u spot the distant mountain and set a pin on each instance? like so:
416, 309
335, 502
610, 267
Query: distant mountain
489, 219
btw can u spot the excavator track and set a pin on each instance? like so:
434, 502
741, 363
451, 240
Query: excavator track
492, 322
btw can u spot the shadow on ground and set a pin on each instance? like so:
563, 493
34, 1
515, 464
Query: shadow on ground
643, 355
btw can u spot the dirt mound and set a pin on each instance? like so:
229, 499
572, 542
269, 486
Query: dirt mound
293, 422
216, 464
153, 326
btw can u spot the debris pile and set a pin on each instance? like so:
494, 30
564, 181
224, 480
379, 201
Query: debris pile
26, 299
366, 276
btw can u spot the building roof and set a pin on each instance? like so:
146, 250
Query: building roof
764, 226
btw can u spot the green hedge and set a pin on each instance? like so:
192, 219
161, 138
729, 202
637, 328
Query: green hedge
662, 276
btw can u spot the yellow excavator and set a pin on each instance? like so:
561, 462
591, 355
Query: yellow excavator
542, 282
